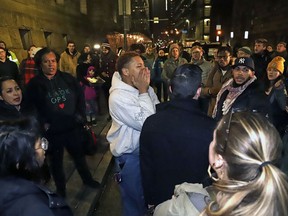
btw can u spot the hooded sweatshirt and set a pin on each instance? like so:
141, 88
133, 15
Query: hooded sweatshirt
59, 101
128, 110
22, 197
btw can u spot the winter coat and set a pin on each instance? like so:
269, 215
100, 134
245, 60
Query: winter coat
214, 83
9, 68
20, 197
277, 113
68, 62
174, 145
108, 65
158, 68
206, 68
188, 199
128, 110
169, 67
252, 98
261, 62
8, 112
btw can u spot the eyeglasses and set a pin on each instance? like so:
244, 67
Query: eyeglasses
44, 144
224, 57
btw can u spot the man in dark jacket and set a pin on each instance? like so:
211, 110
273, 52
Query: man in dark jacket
107, 67
261, 58
241, 92
7, 67
174, 142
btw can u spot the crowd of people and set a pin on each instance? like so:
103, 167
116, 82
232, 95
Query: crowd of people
239, 100
173, 115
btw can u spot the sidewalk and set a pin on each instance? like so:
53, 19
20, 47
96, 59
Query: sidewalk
83, 199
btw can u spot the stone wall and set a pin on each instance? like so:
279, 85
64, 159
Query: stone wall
52, 22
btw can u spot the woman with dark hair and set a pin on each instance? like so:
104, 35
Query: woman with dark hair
59, 101
11, 100
22, 153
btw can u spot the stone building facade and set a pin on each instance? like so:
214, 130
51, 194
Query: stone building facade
53, 22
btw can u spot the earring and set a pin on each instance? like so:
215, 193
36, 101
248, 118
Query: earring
211, 175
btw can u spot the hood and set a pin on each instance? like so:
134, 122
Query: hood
117, 84
13, 188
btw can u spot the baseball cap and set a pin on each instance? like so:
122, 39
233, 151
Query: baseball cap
244, 61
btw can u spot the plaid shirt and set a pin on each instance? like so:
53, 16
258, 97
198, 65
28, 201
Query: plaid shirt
28, 69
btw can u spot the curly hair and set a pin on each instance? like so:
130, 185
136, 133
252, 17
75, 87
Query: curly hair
251, 147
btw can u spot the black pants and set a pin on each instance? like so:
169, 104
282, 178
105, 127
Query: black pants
159, 85
72, 142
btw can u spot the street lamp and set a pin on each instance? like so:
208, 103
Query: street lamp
188, 24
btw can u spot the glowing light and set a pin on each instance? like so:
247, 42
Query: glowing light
96, 46
246, 33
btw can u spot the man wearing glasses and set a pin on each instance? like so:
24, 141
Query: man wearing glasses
219, 75
241, 91
206, 67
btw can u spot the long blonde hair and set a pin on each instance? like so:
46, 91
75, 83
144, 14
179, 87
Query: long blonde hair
247, 140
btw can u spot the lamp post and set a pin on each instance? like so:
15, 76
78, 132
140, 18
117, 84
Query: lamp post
188, 25
125, 24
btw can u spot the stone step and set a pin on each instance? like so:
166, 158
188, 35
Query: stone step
83, 199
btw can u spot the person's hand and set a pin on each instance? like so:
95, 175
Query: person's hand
105, 74
142, 81
278, 84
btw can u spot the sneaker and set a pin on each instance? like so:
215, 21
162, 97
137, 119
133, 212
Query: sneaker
92, 184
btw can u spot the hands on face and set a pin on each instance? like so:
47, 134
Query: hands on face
142, 80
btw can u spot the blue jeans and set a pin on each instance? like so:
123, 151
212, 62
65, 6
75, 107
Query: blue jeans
131, 185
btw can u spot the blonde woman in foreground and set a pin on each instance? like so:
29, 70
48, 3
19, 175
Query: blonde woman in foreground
244, 153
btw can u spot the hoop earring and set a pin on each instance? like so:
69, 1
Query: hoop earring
211, 175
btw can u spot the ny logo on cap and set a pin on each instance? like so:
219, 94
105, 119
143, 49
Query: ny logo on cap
241, 60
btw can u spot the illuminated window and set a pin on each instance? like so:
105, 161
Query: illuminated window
83, 6
47, 36
26, 39
246, 33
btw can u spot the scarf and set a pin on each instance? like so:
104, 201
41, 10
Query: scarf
233, 94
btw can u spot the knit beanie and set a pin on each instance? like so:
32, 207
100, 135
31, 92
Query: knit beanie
172, 46
277, 63
106, 45
91, 68
246, 50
